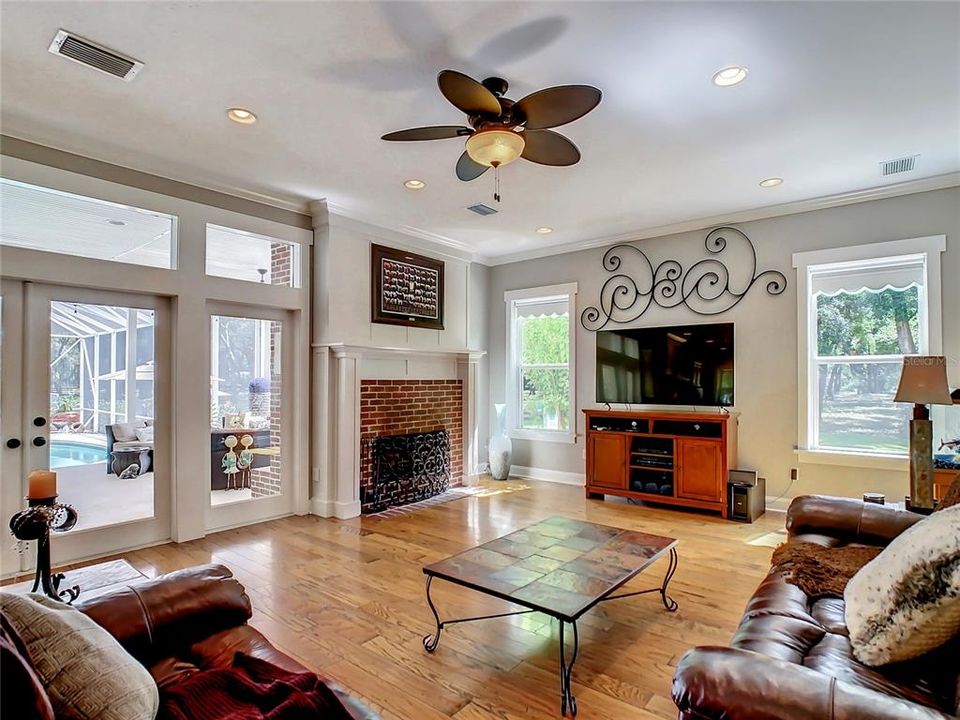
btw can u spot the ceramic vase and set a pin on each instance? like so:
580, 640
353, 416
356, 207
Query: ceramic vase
500, 447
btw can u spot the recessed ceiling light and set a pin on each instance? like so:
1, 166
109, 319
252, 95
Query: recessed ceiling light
544, 230
414, 184
771, 182
241, 115
118, 223
730, 76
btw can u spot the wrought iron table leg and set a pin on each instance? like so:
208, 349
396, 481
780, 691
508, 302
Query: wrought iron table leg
668, 602
567, 700
430, 642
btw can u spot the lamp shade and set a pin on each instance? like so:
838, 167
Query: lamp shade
923, 381
495, 147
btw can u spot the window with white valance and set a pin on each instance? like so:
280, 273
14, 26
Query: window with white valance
862, 310
540, 362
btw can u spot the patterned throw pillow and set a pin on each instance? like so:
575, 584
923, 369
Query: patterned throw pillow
85, 671
906, 601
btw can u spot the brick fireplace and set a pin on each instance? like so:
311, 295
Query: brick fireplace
390, 391
405, 407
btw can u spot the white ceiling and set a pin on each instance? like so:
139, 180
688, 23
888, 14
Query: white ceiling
833, 90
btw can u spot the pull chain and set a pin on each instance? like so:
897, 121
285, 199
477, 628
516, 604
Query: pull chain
496, 183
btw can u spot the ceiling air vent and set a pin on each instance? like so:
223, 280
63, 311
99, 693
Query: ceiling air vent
73, 47
481, 209
900, 165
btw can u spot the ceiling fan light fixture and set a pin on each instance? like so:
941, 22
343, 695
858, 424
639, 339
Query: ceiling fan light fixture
495, 147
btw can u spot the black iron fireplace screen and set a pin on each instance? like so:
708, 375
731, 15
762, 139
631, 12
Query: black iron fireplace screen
408, 468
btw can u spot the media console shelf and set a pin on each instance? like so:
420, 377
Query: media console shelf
675, 458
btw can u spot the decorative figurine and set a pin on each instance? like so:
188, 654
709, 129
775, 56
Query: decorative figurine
229, 462
245, 461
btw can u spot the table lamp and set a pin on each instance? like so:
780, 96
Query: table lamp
923, 382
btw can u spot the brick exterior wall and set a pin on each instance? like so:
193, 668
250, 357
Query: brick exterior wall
400, 407
265, 482
281, 259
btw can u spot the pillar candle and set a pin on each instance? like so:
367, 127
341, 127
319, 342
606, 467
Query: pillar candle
41, 484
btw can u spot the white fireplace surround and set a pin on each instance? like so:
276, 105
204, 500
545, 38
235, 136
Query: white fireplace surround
338, 369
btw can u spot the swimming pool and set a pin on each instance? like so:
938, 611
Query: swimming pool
68, 454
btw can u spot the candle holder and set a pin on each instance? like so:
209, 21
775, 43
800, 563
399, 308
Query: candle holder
43, 516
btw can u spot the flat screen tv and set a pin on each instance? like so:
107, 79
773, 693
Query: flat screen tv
678, 365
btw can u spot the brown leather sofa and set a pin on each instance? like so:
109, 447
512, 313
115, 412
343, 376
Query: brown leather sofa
191, 620
790, 659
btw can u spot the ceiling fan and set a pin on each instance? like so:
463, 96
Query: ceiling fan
502, 130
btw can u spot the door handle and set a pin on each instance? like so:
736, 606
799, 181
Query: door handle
39, 441
14, 443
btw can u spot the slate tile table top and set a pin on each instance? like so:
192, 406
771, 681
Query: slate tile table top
559, 566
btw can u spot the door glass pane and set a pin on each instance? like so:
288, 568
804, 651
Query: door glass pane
857, 411
101, 434
245, 411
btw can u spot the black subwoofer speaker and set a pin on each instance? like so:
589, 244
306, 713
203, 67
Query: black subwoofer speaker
746, 496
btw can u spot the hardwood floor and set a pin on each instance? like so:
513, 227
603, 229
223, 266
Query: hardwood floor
347, 599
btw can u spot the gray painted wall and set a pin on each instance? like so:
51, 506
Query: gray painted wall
766, 330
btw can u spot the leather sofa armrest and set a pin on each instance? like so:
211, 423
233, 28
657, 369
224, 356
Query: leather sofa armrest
848, 519
719, 683
152, 617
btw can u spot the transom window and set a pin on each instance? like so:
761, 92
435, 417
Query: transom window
241, 255
541, 358
863, 316
39, 218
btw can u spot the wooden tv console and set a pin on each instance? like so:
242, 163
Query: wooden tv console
674, 458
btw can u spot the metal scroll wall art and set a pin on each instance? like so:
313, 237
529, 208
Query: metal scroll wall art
710, 286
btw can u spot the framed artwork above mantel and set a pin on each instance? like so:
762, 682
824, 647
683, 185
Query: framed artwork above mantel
406, 288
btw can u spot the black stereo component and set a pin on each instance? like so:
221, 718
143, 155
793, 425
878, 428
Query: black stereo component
746, 497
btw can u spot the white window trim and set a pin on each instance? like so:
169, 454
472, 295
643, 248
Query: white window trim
510, 297
931, 305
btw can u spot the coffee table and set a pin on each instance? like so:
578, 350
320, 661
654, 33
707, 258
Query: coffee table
559, 567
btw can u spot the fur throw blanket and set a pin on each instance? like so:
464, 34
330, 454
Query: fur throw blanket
820, 571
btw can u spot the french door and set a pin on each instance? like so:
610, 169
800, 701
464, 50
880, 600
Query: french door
86, 393
252, 436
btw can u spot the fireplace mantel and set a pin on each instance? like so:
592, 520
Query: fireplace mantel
344, 349
338, 369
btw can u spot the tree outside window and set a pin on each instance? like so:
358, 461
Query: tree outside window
544, 372
861, 340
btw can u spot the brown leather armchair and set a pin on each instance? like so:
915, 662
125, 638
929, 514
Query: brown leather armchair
191, 620
790, 659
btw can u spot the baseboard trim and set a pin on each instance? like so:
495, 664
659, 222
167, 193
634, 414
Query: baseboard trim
331, 509
554, 476
778, 504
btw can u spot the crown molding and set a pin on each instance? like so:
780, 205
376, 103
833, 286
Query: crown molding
911, 187
411, 238
223, 195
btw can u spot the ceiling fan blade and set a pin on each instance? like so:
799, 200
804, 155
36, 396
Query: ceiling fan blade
549, 148
467, 169
557, 106
434, 132
467, 94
